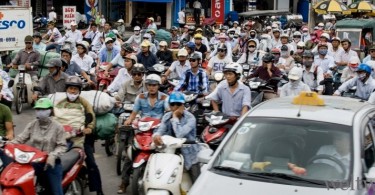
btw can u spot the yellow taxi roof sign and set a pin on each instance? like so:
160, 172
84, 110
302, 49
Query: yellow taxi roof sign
308, 98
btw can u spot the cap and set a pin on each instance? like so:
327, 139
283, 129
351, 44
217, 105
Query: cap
295, 73
120, 21
137, 28
163, 43
300, 44
182, 52
132, 57
364, 68
336, 39
54, 62
321, 24
145, 43
108, 39
199, 29
146, 35
151, 18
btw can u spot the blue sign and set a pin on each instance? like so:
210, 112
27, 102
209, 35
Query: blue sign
5, 24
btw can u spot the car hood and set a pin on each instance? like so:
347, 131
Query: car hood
212, 183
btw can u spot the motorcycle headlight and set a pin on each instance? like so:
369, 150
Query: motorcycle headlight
172, 178
206, 103
145, 126
23, 157
219, 76
254, 85
128, 107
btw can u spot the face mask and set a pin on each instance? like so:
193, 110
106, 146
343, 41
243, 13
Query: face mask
216, 35
320, 28
353, 69
231, 35
252, 35
72, 97
308, 63
42, 114
251, 49
362, 76
284, 54
305, 34
323, 52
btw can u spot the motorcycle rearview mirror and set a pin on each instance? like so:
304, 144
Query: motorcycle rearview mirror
36, 88
10, 83
88, 118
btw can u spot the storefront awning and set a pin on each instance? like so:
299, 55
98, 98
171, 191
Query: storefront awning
153, 1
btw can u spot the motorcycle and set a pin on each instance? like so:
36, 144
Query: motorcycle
219, 126
40, 21
19, 176
105, 81
215, 80
198, 106
171, 179
22, 88
262, 90
142, 147
248, 69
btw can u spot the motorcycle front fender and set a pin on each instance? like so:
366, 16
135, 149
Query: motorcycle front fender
19, 176
141, 158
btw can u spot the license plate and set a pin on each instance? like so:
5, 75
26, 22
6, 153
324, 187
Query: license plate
206, 103
21, 67
246, 67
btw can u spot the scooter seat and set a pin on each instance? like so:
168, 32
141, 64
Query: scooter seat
68, 160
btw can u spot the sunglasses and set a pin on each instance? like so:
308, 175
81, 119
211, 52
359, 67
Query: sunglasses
145, 37
275, 53
175, 104
297, 37
221, 50
137, 74
28, 42
267, 62
251, 46
372, 51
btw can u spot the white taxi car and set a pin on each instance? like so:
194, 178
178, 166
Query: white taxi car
309, 144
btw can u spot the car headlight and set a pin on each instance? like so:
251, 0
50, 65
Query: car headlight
23, 157
172, 178
145, 126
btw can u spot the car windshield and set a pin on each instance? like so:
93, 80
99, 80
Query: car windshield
281, 150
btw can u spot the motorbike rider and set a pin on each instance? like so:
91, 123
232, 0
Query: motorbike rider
71, 68
119, 59
312, 74
38, 44
6, 130
252, 55
136, 39
153, 40
180, 123
324, 39
295, 84
199, 46
364, 82
276, 40
194, 79
305, 35
236, 27
54, 81
52, 16
174, 34
73, 33
284, 38
215, 39
350, 70
218, 62
336, 49
108, 53
325, 62
286, 62
123, 74
204, 39
296, 39
234, 95
151, 24
371, 55
46, 134
81, 58
310, 44
223, 40
153, 48
94, 36
233, 41
55, 36
164, 54
345, 55
300, 50
152, 103
190, 48
178, 67
106, 31
267, 70
188, 34
121, 27
28, 57
146, 57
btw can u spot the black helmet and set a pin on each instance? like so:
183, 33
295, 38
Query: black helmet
268, 58
174, 28
284, 48
308, 54
127, 47
222, 46
138, 68
195, 56
73, 81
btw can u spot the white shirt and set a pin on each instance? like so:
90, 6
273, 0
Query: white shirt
325, 63
290, 90
218, 64
102, 21
335, 54
345, 56
84, 63
253, 58
181, 17
95, 39
309, 77
178, 70
122, 76
52, 16
76, 36
331, 151
57, 35
118, 60
197, 5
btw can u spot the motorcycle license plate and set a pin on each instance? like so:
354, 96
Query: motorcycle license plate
246, 66
21, 67
245, 74
206, 103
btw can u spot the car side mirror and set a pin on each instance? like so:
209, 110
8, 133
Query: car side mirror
10, 83
370, 175
205, 155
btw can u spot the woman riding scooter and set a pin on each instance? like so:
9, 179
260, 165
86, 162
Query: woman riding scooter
47, 135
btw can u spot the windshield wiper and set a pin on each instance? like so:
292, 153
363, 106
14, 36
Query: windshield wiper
289, 177
239, 172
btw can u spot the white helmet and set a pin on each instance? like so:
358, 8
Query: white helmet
153, 79
182, 52
233, 67
137, 28
120, 21
326, 35
284, 35
300, 44
297, 33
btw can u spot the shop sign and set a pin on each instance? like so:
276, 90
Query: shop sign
69, 15
218, 10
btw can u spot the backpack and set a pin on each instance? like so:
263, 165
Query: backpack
187, 79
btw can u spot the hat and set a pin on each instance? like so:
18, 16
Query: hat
235, 22
132, 57
182, 52
305, 29
325, 35
372, 47
300, 44
73, 23
295, 73
269, 28
163, 43
222, 36
199, 29
198, 36
151, 18
151, 31
336, 39
120, 21
321, 24
145, 43
108, 39
54, 62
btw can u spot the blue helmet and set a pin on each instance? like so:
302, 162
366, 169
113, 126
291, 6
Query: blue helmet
190, 45
364, 67
176, 97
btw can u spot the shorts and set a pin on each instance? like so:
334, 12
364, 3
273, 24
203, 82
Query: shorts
182, 25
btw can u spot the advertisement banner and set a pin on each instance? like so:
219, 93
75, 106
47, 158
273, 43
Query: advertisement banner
218, 10
91, 8
69, 15
24, 3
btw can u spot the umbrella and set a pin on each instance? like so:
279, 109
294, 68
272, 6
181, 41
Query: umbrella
362, 6
331, 6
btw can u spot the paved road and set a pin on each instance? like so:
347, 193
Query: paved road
110, 180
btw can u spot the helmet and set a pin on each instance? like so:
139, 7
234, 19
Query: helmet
107, 40
268, 58
336, 39
182, 52
190, 45
222, 46
199, 30
321, 24
145, 43
54, 62
43, 103
37, 34
224, 28
346, 40
195, 56
29, 38
233, 67
198, 36
275, 50
120, 21
354, 62
235, 22
177, 97
232, 30
132, 57
253, 40
151, 31
191, 28
174, 28
308, 54
153, 79
295, 73
127, 47
137, 28
217, 31
284, 48
284, 35
147, 35
163, 43
52, 8
84, 44
300, 44
67, 50
297, 33
325, 35
73, 81
112, 35
364, 67
138, 68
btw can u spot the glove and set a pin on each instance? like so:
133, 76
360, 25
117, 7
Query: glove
51, 160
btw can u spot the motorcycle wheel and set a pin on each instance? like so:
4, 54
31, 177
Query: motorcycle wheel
76, 189
137, 187
18, 100
120, 158
110, 146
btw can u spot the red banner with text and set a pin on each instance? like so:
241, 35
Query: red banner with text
218, 10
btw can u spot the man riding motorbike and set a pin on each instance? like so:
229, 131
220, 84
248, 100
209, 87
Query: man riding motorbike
312, 73
295, 84
108, 53
119, 59
267, 70
164, 54
123, 74
146, 57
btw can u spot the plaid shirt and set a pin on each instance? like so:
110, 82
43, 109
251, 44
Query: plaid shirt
193, 84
